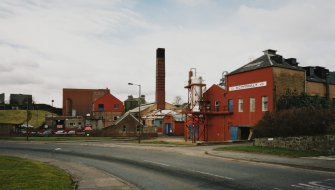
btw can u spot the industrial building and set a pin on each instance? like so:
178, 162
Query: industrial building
107, 109
229, 111
79, 102
19, 100
98, 107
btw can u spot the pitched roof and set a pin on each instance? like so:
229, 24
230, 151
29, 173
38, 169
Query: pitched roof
125, 116
269, 59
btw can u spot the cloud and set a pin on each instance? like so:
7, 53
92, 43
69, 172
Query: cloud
99, 44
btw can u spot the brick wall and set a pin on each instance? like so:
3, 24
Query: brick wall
284, 79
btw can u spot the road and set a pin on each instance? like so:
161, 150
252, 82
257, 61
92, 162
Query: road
149, 168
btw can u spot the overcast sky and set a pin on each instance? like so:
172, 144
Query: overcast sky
46, 46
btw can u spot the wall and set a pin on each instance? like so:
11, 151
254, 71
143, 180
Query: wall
109, 101
284, 79
80, 100
315, 88
217, 128
324, 143
247, 118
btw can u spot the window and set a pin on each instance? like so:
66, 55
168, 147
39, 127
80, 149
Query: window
240, 105
101, 107
265, 103
116, 106
115, 118
124, 128
217, 106
230, 105
252, 104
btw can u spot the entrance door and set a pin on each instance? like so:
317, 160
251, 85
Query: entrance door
233, 133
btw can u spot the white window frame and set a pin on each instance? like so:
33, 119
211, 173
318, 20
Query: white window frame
240, 105
252, 104
265, 103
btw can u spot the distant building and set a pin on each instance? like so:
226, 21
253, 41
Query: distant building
20, 99
79, 102
107, 109
2, 98
132, 102
320, 81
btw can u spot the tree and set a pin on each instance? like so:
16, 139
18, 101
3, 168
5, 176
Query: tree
177, 100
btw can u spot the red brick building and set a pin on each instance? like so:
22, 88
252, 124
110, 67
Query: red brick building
108, 109
173, 124
230, 111
79, 102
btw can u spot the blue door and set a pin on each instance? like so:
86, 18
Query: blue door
233, 133
168, 128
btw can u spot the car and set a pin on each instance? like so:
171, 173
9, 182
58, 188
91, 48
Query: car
60, 132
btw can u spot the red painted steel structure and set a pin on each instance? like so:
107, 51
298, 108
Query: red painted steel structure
160, 78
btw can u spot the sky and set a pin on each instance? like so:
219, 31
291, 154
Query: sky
48, 45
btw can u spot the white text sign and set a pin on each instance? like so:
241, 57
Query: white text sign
247, 86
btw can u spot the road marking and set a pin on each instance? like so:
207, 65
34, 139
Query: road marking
58, 149
157, 163
210, 174
327, 184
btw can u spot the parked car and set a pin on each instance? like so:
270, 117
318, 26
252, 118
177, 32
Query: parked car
60, 132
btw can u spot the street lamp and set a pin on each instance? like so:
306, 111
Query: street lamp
139, 110
52, 114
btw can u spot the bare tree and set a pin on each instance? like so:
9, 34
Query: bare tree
177, 100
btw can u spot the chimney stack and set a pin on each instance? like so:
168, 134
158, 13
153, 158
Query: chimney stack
160, 78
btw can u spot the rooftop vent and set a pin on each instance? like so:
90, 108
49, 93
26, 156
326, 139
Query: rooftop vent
292, 62
270, 52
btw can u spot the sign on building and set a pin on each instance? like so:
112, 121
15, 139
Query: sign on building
247, 86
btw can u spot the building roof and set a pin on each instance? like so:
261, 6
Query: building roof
125, 116
143, 107
269, 59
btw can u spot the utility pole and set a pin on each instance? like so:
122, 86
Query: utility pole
140, 128
27, 126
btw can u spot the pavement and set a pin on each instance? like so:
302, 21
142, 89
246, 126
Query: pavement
321, 163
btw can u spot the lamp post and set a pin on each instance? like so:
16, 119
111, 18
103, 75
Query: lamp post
139, 111
52, 114
27, 127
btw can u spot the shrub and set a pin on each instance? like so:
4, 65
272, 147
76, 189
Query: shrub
305, 121
294, 100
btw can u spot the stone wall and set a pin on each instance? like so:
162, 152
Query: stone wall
324, 143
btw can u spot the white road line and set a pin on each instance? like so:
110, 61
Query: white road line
157, 163
210, 174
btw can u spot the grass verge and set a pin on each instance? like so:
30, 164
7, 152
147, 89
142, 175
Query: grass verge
18, 173
272, 151
32, 138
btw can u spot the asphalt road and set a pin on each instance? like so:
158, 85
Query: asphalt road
159, 169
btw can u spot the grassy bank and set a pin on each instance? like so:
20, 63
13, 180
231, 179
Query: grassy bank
20, 116
272, 151
18, 173
32, 138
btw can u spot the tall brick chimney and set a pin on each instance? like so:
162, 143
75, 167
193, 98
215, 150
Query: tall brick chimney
160, 78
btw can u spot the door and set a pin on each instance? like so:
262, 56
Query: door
233, 133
